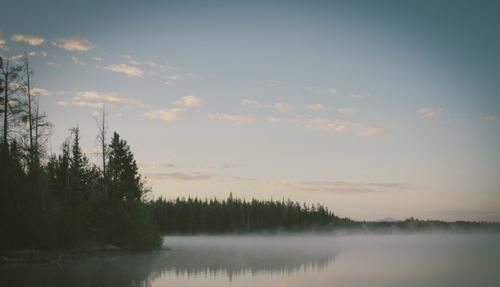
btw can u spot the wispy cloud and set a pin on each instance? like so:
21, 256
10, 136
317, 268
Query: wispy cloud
274, 120
111, 97
320, 91
430, 112
33, 40
341, 126
273, 83
236, 118
314, 107
370, 131
188, 101
344, 187
359, 96
282, 107
79, 102
185, 105
3, 44
53, 64
128, 70
179, 176
174, 77
351, 186
347, 111
249, 103
40, 91
77, 61
30, 54
132, 61
326, 124
95, 99
74, 44
171, 114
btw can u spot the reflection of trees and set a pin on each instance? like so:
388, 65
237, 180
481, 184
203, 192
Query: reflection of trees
139, 269
227, 262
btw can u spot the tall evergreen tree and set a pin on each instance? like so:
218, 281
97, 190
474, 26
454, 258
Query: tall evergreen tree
125, 180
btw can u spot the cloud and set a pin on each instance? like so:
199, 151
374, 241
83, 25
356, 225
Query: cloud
347, 111
341, 126
30, 54
249, 103
282, 107
94, 99
273, 83
236, 118
3, 44
40, 92
74, 44
188, 101
490, 118
357, 187
359, 96
343, 187
172, 114
320, 91
273, 120
165, 114
128, 70
33, 40
178, 176
168, 83
111, 97
314, 107
370, 131
174, 77
77, 61
79, 102
326, 124
53, 64
430, 112
279, 106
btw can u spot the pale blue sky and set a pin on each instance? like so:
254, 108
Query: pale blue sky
374, 108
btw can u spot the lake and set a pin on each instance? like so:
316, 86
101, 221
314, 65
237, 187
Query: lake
415, 259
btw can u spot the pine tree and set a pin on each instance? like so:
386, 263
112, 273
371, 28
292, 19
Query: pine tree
123, 173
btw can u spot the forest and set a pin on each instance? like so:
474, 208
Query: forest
66, 201
63, 201
195, 216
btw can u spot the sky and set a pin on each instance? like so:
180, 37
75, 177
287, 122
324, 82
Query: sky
375, 109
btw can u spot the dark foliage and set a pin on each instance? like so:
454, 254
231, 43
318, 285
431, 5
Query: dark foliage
192, 216
61, 204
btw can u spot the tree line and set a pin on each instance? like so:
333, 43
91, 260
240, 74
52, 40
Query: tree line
193, 215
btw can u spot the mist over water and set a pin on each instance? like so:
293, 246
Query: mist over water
416, 259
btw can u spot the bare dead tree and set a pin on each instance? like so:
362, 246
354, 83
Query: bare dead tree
42, 130
9, 76
101, 138
30, 114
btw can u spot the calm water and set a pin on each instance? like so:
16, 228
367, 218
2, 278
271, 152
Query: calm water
305, 260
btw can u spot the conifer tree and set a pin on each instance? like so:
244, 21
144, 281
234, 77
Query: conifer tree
125, 180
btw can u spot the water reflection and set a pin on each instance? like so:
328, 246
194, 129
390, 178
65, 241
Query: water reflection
375, 260
188, 257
